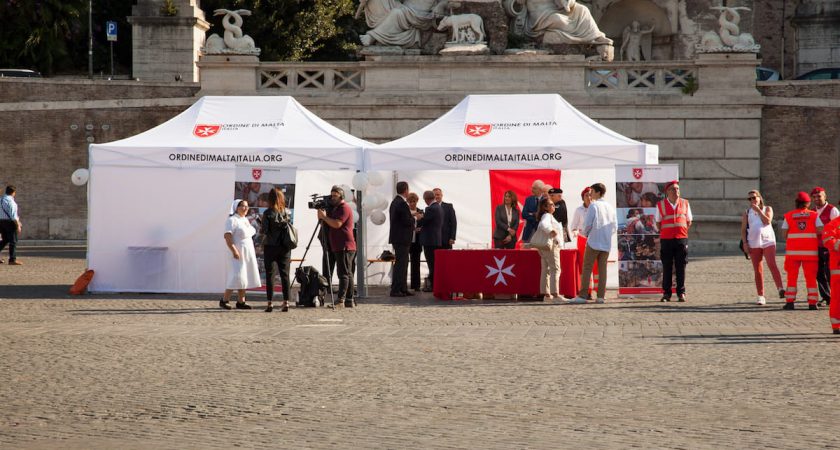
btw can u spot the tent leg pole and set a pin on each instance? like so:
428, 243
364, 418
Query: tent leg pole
361, 258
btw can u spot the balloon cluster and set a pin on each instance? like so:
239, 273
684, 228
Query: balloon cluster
373, 203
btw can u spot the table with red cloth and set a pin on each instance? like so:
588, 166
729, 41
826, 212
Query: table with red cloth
498, 272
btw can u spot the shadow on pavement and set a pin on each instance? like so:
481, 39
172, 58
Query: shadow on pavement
52, 252
116, 312
766, 338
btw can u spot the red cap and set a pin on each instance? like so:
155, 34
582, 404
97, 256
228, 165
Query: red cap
817, 190
803, 197
671, 183
585, 191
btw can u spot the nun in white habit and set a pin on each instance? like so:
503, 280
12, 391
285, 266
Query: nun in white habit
242, 269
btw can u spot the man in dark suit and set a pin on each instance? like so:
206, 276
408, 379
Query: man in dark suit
400, 237
450, 223
430, 233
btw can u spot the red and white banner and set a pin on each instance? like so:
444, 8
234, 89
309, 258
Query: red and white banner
518, 181
638, 189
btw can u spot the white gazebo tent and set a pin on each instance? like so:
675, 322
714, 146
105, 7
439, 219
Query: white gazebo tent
507, 132
539, 131
157, 201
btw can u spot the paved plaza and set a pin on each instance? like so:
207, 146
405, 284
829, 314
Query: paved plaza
175, 371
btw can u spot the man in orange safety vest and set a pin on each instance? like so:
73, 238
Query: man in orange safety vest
673, 219
831, 240
800, 230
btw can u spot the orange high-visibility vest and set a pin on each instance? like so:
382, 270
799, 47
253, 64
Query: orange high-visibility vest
674, 223
801, 235
831, 236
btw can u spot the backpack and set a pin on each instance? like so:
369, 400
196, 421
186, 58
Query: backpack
313, 286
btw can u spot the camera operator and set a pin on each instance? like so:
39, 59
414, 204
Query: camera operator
339, 219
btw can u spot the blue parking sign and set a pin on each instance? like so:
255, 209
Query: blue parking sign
111, 30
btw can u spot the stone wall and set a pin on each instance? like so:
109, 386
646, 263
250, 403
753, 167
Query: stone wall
800, 137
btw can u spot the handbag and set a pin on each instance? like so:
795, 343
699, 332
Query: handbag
540, 240
741, 242
290, 236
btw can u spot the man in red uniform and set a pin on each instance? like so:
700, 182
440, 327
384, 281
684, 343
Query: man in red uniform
673, 219
831, 240
826, 212
800, 230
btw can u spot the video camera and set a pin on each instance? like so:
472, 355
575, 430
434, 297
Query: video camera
319, 202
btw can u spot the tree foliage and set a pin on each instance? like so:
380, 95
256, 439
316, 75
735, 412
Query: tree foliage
294, 30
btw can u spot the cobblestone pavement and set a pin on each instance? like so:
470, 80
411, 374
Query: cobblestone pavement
155, 371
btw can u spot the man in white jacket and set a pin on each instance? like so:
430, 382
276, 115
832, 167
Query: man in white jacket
598, 227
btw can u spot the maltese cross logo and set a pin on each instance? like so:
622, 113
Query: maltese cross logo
637, 173
477, 129
500, 270
204, 131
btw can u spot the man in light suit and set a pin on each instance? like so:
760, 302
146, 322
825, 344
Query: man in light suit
450, 223
400, 237
430, 225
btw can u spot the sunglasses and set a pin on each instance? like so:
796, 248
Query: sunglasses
752, 198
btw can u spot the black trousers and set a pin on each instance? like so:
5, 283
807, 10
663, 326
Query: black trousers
345, 266
824, 274
8, 235
429, 253
674, 258
414, 255
282, 257
399, 280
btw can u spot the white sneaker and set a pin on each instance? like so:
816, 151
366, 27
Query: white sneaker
600, 300
578, 300
761, 300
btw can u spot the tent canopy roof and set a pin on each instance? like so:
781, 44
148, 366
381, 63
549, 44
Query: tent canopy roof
257, 125
511, 132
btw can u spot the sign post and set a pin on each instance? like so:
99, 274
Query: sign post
111, 33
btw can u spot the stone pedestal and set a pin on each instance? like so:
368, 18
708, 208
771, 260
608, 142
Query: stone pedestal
727, 72
229, 74
166, 48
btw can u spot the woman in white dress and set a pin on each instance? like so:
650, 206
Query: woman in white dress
242, 270
760, 243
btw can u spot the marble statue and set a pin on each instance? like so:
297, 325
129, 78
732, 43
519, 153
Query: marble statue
399, 24
234, 41
635, 43
730, 38
466, 28
562, 22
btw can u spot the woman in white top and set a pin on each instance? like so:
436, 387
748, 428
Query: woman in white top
549, 257
242, 269
760, 243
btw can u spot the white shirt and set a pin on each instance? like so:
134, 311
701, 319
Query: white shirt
688, 216
548, 224
8, 208
759, 235
577, 219
600, 225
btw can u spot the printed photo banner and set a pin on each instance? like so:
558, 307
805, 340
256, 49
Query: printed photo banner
253, 184
638, 189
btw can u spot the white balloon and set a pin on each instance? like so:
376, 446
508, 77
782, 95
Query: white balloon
348, 192
372, 200
383, 202
80, 177
377, 217
360, 181
376, 179
355, 216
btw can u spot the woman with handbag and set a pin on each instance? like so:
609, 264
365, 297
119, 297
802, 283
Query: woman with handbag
545, 241
242, 269
759, 241
506, 218
279, 238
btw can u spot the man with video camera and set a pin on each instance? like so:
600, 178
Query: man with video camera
339, 219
